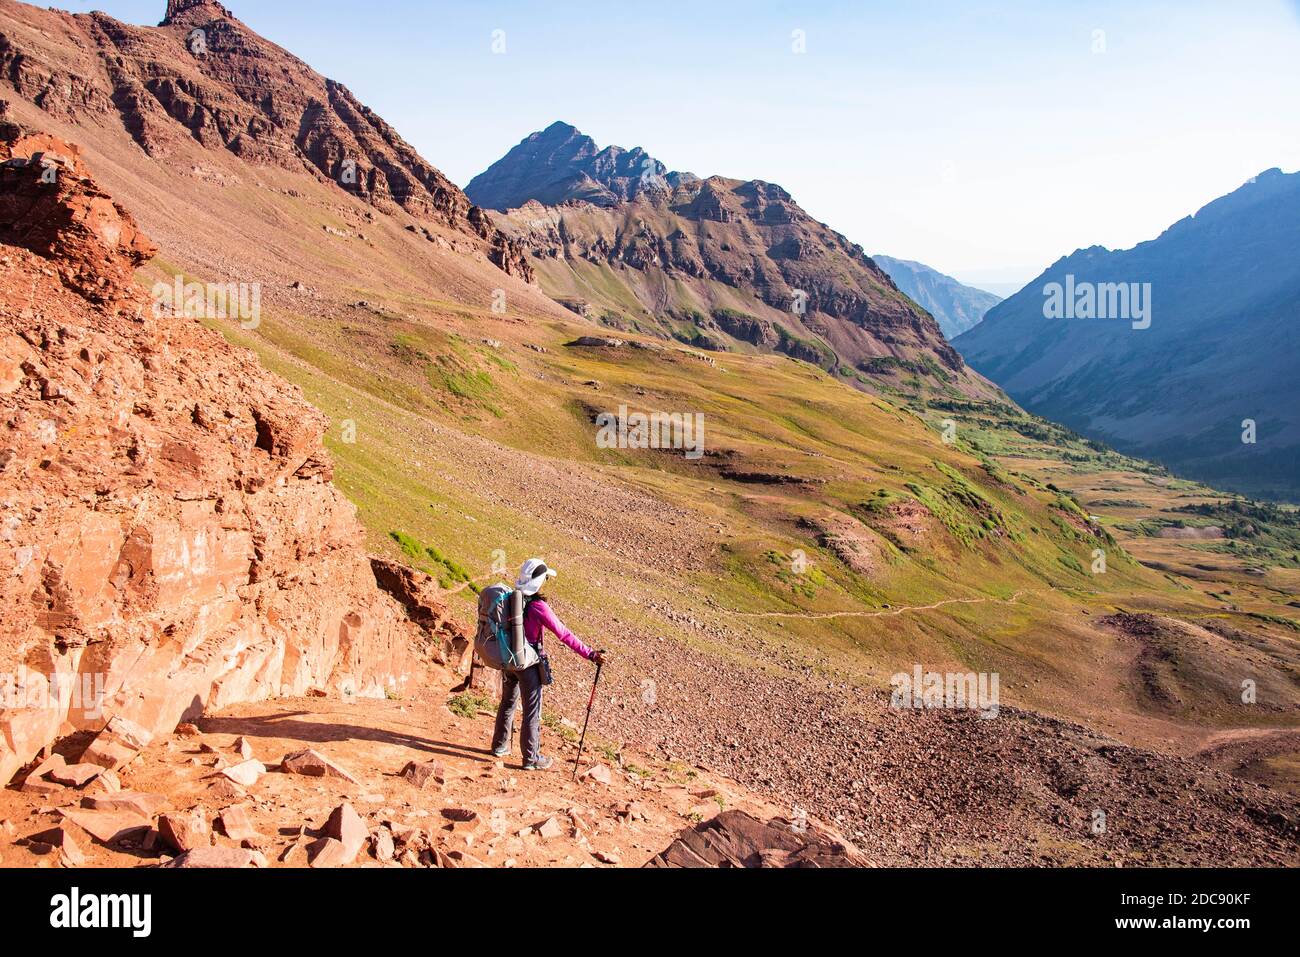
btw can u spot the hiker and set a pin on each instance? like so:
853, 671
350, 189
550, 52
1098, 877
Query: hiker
536, 615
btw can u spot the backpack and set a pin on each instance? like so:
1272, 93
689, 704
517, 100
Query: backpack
500, 641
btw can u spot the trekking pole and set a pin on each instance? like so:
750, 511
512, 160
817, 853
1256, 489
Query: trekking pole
590, 701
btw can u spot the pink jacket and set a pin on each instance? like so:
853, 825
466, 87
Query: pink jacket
538, 615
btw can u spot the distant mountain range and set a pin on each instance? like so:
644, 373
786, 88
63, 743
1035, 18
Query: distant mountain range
1197, 366
956, 306
722, 264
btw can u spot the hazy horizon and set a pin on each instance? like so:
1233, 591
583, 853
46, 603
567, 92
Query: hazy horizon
984, 141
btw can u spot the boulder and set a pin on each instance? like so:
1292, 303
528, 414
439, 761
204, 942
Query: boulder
35, 785
424, 774
62, 841
343, 837
52, 763
328, 852
314, 764
246, 773
599, 773
236, 825
218, 857
549, 829
132, 802
184, 832
295, 855
384, 846
75, 775
631, 811
347, 827
404, 833
224, 789
738, 839
109, 827
38, 781
107, 783
118, 742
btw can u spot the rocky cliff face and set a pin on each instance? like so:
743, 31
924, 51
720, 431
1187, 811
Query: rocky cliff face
169, 536
203, 75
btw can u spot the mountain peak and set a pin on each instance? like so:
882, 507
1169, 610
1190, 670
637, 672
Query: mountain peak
561, 164
559, 127
238, 95
796, 286
176, 8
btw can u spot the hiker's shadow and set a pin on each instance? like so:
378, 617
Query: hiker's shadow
317, 732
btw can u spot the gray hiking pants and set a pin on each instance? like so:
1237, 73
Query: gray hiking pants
512, 683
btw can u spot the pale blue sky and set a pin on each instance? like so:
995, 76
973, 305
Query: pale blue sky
985, 139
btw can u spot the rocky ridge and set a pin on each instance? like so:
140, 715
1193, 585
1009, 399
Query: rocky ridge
719, 262
1176, 328
202, 75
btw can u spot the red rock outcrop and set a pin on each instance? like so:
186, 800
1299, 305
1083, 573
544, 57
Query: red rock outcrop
169, 537
48, 207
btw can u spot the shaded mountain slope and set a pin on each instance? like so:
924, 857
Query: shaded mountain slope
1220, 350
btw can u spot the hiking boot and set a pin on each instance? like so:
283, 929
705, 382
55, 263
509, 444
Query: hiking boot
501, 752
541, 764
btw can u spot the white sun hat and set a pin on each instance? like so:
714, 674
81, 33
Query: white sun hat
533, 575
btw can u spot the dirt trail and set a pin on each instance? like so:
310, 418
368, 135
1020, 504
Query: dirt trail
518, 819
888, 613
